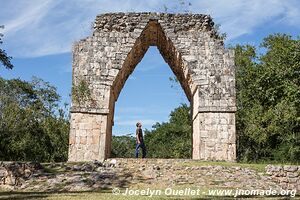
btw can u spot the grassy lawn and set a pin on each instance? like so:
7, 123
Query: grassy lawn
258, 167
107, 195
104, 195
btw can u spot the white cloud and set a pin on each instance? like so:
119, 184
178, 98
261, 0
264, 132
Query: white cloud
292, 13
27, 16
128, 116
65, 69
147, 68
242, 17
147, 110
36, 28
145, 122
132, 78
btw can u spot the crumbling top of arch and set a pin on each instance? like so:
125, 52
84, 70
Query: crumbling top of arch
129, 22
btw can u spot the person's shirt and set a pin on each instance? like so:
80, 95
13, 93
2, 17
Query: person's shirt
139, 132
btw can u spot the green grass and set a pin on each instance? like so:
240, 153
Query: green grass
53, 170
103, 195
107, 194
257, 167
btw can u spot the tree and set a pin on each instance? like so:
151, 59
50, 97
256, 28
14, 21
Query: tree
268, 96
167, 140
32, 125
5, 60
123, 146
171, 139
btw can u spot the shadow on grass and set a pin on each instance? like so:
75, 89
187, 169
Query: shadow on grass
42, 195
117, 181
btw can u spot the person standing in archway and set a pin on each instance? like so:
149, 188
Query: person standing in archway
139, 141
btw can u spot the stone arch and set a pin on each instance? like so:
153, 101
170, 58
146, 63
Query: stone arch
188, 43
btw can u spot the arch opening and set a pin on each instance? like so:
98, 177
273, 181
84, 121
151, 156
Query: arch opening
148, 97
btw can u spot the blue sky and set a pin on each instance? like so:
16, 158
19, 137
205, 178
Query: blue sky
39, 35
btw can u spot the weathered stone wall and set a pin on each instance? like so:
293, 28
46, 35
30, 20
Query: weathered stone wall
188, 43
287, 176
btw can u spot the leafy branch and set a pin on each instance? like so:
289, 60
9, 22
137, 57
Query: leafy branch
81, 92
4, 58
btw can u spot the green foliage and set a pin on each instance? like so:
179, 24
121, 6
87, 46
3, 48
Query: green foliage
174, 82
179, 6
220, 35
4, 59
268, 97
32, 126
81, 92
172, 139
123, 146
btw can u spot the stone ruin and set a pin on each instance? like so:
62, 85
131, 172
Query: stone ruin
195, 53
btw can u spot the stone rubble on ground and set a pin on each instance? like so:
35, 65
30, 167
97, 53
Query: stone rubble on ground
160, 173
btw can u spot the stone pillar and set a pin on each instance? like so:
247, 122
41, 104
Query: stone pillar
88, 138
214, 134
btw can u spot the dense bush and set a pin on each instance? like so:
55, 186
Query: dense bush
268, 97
166, 140
171, 139
4, 58
32, 126
123, 146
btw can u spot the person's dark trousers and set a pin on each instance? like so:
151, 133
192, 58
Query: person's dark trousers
142, 145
